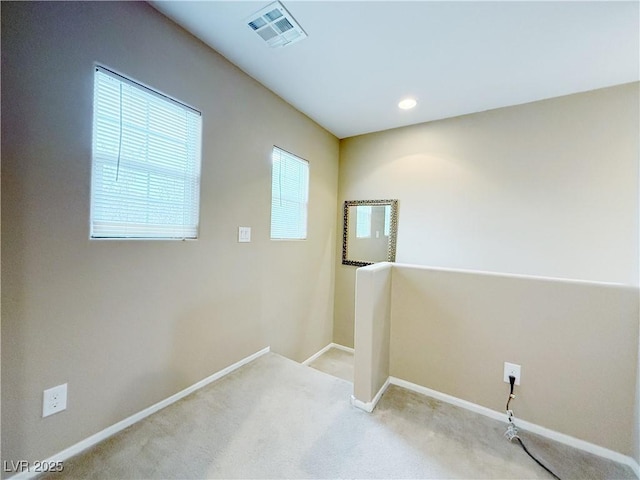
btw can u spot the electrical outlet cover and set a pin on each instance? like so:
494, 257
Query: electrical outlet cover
511, 369
54, 400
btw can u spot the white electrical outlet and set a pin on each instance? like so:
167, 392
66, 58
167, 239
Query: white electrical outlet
511, 369
54, 400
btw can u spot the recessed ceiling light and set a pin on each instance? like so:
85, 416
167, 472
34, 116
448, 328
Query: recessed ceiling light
407, 103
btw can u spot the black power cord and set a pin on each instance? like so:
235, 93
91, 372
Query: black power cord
512, 431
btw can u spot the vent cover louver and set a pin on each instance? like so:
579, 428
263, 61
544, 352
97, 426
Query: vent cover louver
276, 26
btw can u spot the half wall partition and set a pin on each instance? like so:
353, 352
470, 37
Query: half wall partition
450, 331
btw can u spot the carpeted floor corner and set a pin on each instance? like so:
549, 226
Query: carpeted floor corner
336, 362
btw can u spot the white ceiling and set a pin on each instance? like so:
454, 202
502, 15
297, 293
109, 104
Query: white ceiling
454, 57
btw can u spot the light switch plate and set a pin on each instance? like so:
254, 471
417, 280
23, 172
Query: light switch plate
244, 234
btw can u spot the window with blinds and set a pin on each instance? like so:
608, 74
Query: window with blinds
289, 196
363, 221
387, 220
146, 162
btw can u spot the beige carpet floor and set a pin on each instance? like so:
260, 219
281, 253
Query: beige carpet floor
275, 418
336, 362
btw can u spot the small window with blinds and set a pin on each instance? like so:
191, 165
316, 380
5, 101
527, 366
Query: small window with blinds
146, 162
363, 221
289, 196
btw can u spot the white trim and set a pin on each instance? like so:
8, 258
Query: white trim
366, 406
326, 349
522, 424
369, 406
458, 402
316, 355
342, 347
512, 275
136, 417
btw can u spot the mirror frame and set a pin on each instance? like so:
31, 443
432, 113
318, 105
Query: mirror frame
393, 230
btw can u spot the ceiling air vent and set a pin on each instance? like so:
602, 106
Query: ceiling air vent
276, 26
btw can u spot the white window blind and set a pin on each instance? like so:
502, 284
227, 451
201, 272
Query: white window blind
289, 196
387, 220
363, 221
146, 162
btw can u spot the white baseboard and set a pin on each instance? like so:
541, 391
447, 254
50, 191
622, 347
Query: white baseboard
521, 424
366, 406
342, 347
369, 406
136, 417
458, 402
325, 349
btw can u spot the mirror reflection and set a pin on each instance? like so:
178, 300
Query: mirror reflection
370, 229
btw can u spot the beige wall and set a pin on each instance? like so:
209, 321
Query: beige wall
636, 417
548, 188
373, 310
637, 407
452, 330
636, 421
576, 342
128, 323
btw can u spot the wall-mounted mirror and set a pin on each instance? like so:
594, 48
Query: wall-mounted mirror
370, 231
